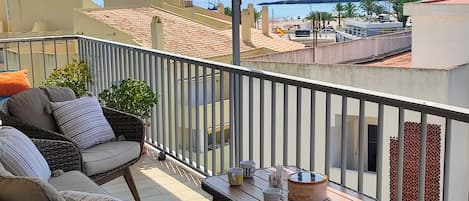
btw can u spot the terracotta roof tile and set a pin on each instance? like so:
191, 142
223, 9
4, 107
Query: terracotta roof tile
399, 60
184, 36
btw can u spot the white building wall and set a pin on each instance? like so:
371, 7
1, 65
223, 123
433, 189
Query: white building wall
439, 34
459, 95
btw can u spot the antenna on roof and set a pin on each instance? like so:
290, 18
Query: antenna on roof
212, 5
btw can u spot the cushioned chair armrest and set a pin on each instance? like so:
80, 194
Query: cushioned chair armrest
125, 124
60, 155
30, 130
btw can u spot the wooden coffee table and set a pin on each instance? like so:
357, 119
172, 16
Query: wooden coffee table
251, 189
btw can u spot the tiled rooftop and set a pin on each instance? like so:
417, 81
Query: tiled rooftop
400, 60
182, 35
159, 180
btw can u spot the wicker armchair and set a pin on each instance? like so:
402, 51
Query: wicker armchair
123, 124
60, 155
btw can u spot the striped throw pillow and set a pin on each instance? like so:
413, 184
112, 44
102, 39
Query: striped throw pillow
83, 121
20, 156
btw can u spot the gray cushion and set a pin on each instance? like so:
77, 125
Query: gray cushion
27, 188
108, 156
33, 107
83, 196
59, 94
83, 121
75, 181
20, 156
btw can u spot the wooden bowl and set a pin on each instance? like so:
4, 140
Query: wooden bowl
307, 186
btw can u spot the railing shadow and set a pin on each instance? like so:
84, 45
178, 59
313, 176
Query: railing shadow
159, 180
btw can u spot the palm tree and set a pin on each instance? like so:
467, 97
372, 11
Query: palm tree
398, 7
228, 11
313, 17
379, 9
368, 6
350, 9
339, 8
325, 16
257, 15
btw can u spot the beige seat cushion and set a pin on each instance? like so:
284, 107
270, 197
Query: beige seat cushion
108, 156
13, 188
75, 181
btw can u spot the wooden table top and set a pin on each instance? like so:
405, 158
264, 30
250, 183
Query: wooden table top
252, 188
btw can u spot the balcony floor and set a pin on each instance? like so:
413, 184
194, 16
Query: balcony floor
159, 180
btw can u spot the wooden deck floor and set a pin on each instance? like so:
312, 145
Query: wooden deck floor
159, 180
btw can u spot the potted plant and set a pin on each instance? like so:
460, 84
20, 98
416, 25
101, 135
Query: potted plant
75, 76
131, 96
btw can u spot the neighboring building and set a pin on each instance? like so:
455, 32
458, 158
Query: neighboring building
355, 51
439, 33
28, 18
356, 28
436, 69
39, 16
194, 35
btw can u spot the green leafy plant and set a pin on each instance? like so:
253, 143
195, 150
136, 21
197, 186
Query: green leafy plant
350, 9
131, 96
75, 76
398, 7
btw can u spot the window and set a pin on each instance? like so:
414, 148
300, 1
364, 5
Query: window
372, 147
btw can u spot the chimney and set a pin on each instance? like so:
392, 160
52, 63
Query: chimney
246, 26
220, 8
157, 33
251, 12
265, 20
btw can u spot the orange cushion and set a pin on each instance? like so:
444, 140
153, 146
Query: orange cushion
13, 82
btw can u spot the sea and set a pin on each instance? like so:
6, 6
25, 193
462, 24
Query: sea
278, 11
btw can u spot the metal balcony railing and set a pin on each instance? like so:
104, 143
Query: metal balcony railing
211, 115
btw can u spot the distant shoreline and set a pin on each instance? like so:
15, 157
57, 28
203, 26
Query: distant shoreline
306, 2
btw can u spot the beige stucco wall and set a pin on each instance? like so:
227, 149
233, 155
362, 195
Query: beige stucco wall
83, 24
39, 65
3, 15
132, 3
439, 37
56, 13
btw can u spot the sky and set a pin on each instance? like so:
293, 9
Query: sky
286, 11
